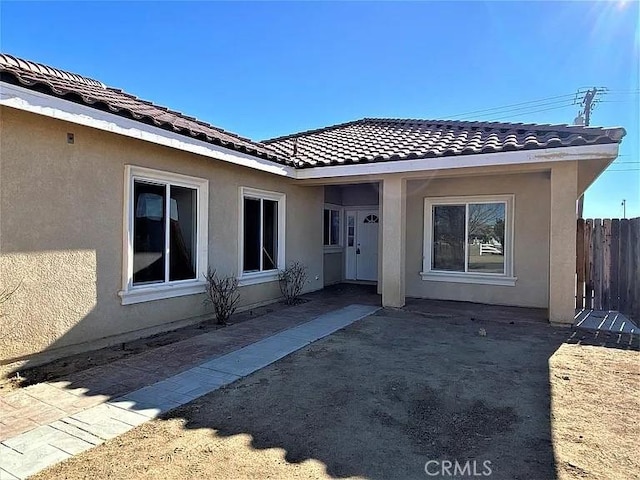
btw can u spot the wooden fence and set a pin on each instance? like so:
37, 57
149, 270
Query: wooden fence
608, 265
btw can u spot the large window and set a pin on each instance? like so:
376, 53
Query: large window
166, 235
262, 235
332, 226
468, 239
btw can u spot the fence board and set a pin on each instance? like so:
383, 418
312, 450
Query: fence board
580, 264
614, 282
588, 278
608, 265
597, 264
624, 265
634, 267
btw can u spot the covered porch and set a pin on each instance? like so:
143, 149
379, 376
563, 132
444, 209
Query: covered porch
398, 265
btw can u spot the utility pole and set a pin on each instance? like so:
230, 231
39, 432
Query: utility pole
584, 118
588, 102
624, 208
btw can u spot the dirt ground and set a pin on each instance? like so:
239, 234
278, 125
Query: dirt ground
384, 396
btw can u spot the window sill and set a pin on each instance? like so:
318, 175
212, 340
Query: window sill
476, 278
332, 248
160, 292
255, 278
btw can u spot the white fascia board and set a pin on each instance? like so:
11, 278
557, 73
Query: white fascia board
546, 155
39, 103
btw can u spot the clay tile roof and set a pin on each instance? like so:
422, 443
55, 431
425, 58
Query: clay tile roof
95, 94
384, 139
360, 141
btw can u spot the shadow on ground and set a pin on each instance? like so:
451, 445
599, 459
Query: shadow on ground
384, 396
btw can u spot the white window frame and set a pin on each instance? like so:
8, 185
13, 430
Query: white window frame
502, 279
131, 293
252, 278
340, 210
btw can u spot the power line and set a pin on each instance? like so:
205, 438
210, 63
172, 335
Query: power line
512, 105
533, 111
624, 92
589, 101
527, 109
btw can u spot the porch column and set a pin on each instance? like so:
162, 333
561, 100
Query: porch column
394, 193
562, 247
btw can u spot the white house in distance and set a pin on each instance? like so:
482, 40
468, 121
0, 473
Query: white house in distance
112, 208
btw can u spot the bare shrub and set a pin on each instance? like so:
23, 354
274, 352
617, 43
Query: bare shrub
292, 280
5, 294
222, 293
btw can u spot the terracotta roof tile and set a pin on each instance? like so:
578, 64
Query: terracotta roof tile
360, 141
79, 89
385, 139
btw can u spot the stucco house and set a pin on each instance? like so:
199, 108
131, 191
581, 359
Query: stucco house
112, 208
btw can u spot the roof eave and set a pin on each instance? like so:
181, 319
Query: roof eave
33, 101
605, 151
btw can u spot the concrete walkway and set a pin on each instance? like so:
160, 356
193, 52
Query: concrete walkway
76, 425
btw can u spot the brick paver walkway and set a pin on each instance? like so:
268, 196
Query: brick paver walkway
44, 403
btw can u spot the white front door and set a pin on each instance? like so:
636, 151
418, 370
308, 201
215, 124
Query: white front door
362, 245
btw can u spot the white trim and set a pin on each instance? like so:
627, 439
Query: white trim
254, 278
50, 106
507, 278
131, 293
340, 210
160, 292
263, 276
42, 104
546, 155
461, 277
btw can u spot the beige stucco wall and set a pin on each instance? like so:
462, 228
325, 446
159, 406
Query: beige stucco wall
61, 232
531, 237
333, 267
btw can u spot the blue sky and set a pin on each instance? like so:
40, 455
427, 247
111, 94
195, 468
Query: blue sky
268, 69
